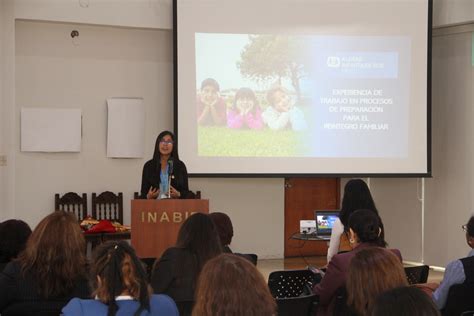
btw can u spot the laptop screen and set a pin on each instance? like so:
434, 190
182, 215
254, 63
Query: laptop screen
325, 221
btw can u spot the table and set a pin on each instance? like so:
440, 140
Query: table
97, 238
308, 237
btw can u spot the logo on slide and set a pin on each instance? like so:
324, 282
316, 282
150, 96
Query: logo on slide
333, 62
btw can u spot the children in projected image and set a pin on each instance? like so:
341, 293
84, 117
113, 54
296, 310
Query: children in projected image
281, 112
245, 112
211, 108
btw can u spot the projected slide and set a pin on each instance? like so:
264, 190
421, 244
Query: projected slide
271, 95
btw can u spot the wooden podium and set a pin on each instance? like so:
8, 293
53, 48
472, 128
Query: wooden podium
155, 223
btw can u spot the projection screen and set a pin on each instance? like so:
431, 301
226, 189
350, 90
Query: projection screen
303, 87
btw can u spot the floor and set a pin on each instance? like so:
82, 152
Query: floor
266, 266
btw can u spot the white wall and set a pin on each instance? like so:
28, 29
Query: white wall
450, 199
256, 207
132, 13
7, 102
2, 114
52, 70
447, 12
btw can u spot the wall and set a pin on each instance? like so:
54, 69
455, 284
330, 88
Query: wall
130, 13
7, 102
447, 12
450, 191
52, 71
2, 114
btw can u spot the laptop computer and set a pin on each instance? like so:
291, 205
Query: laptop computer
324, 222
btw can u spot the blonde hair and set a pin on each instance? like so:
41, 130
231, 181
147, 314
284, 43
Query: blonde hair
230, 285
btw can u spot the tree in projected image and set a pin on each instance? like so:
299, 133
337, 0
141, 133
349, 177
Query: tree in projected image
273, 57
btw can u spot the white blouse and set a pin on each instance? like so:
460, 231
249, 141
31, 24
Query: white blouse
336, 233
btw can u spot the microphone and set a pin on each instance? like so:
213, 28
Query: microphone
170, 172
170, 166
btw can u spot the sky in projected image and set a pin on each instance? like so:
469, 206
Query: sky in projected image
217, 56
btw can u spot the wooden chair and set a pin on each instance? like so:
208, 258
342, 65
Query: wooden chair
108, 205
192, 195
416, 275
72, 202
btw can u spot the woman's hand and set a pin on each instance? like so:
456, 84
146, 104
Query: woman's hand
153, 193
175, 194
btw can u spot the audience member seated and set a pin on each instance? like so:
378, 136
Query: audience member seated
230, 285
225, 230
372, 271
49, 272
457, 271
177, 271
406, 301
356, 197
120, 286
365, 230
13, 236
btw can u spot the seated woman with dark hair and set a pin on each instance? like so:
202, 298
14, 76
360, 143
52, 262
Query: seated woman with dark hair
49, 272
230, 285
406, 301
365, 230
177, 271
13, 236
225, 230
120, 286
356, 196
372, 271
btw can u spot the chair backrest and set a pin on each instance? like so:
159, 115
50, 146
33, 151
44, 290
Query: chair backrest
291, 306
72, 202
417, 274
108, 205
290, 283
340, 303
148, 263
192, 195
252, 257
460, 299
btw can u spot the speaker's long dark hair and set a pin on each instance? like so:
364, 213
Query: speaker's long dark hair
119, 270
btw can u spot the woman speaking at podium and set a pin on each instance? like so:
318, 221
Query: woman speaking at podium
165, 176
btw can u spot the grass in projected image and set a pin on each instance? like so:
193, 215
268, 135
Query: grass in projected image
224, 142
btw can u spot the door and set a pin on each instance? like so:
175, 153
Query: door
302, 197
